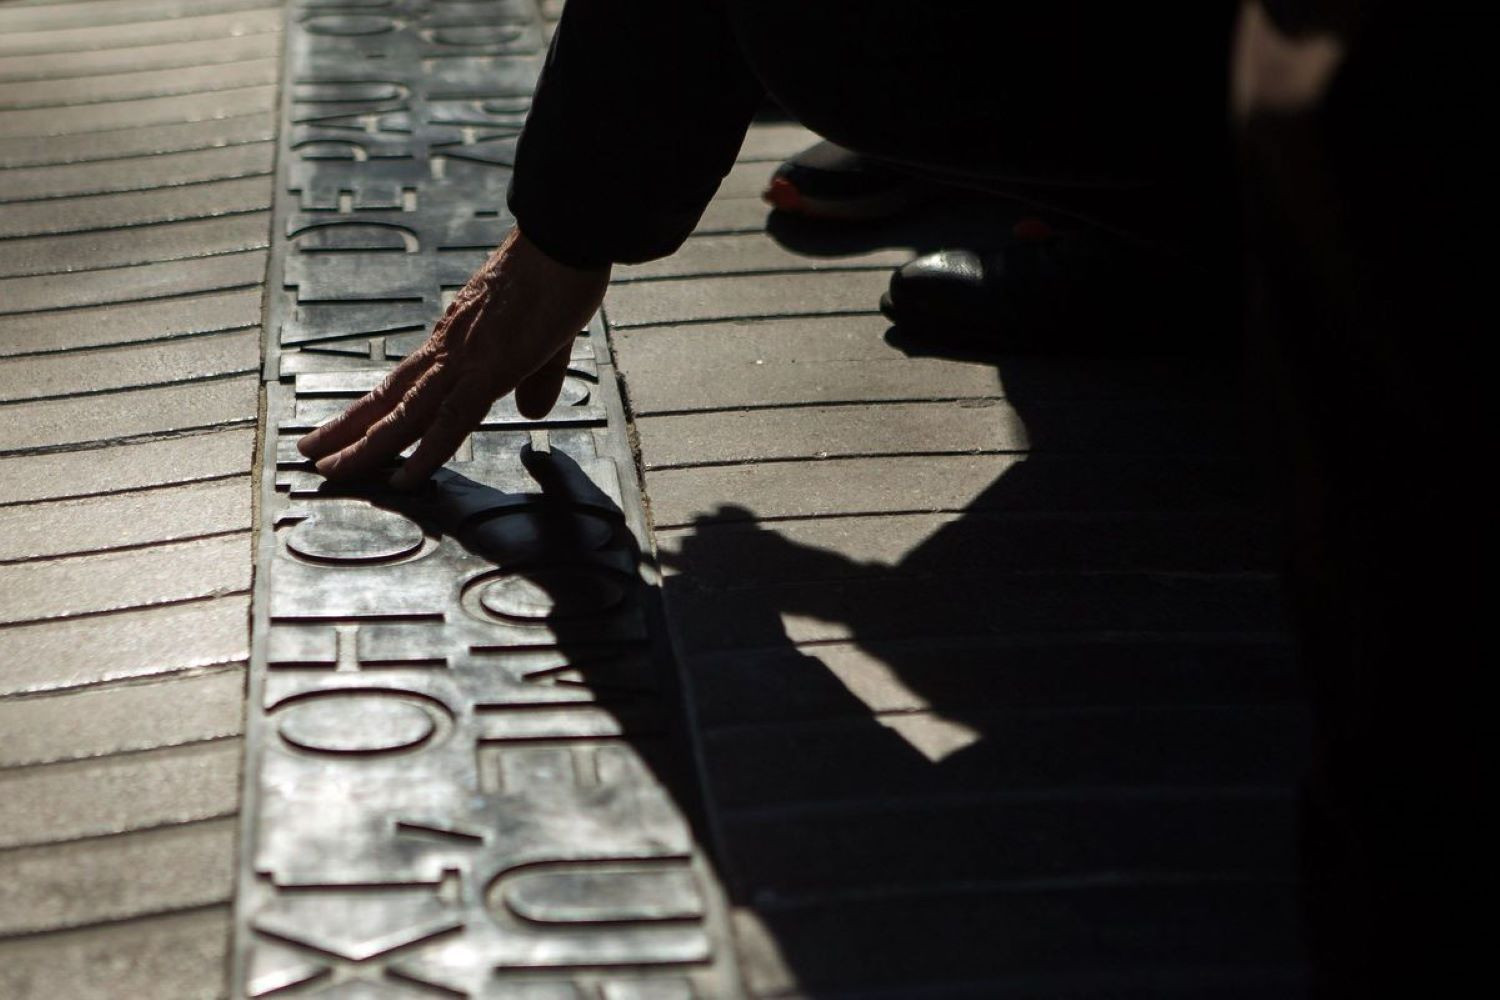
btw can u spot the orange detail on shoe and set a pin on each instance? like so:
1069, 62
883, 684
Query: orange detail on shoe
1031, 230
783, 195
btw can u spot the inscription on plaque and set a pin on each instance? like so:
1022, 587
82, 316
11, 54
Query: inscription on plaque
463, 775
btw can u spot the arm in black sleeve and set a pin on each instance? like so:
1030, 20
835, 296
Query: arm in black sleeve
641, 107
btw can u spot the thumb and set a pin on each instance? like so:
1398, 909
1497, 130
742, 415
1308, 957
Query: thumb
539, 390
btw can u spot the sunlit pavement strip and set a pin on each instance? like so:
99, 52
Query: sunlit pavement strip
464, 770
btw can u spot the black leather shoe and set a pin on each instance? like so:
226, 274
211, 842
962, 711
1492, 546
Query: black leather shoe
827, 181
1046, 292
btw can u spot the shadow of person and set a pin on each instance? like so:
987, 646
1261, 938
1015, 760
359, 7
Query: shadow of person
1042, 743
588, 802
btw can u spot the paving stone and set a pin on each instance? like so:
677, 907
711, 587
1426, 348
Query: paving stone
837, 761
801, 340
137, 84
136, 113
775, 141
167, 513
730, 554
915, 484
746, 253
209, 356
112, 795
167, 55
98, 326
971, 426
112, 581
109, 13
87, 419
175, 957
48, 888
1099, 942
952, 674
806, 339
686, 386
847, 359
192, 27
90, 146
722, 437
880, 605
114, 468
160, 170
150, 642
146, 716
746, 179
733, 215
876, 845
137, 208
137, 245
717, 298
134, 283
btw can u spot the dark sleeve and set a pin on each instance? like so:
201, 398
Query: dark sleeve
640, 110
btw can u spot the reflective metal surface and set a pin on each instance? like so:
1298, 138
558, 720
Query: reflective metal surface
465, 775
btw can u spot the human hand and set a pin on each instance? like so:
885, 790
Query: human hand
511, 327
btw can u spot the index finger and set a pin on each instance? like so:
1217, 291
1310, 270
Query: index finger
351, 425
461, 413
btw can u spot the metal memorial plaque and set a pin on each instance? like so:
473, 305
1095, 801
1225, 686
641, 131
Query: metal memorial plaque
466, 775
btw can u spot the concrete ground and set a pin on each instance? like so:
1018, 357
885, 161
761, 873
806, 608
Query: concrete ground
974, 666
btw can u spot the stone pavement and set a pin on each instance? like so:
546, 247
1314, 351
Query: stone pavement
961, 676
136, 151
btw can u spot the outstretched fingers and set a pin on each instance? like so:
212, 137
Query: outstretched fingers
461, 411
399, 427
351, 425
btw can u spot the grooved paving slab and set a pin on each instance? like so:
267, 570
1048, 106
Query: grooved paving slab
732, 215
877, 607
113, 581
805, 854
138, 84
1053, 940
139, 58
1109, 541
211, 356
108, 13
115, 878
968, 426
113, 795
178, 956
132, 284
790, 683
186, 26
85, 147
121, 467
135, 162
136, 208
144, 642
138, 112
120, 520
921, 483
138, 412
99, 326
718, 298
122, 717
136, 245
467, 768
750, 252
772, 142
991, 671
138, 172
